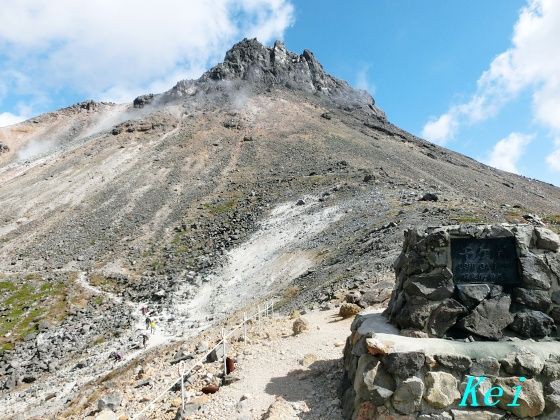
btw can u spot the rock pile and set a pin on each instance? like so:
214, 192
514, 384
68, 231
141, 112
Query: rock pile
390, 375
51, 344
429, 298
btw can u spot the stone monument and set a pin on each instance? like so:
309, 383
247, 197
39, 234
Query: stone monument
481, 282
457, 288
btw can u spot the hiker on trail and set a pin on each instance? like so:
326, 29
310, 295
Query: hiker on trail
152, 326
144, 337
148, 322
117, 356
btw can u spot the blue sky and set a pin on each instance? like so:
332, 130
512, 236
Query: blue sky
479, 77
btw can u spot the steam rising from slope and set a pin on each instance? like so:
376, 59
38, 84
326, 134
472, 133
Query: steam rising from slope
35, 148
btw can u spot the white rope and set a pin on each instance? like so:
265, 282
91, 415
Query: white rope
203, 358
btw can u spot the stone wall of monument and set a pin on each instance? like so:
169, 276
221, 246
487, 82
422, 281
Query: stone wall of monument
389, 377
478, 282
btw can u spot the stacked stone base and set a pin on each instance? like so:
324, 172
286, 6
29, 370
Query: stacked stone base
394, 377
427, 298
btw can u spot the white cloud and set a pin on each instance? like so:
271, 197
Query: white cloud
531, 63
7, 118
440, 130
117, 49
507, 152
553, 159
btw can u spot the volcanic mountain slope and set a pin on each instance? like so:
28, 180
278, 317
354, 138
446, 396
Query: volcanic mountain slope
264, 173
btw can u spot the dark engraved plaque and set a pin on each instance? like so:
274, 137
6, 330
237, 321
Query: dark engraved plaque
492, 261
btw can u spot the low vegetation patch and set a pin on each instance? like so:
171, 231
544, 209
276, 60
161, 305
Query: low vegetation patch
553, 222
24, 302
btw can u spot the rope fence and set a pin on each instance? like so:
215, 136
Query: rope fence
267, 310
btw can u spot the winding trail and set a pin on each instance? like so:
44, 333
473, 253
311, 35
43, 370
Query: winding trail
96, 362
158, 337
278, 251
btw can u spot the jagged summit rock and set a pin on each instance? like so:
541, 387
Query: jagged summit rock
250, 64
251, 61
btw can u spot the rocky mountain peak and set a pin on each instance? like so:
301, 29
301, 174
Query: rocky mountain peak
264, 68
249, 60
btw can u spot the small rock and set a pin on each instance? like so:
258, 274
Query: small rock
300, 325
478, 415
454, 362
377, 347
210, 389
106, 415
110, 401
280, 409
308, 359
429, 197
349, 309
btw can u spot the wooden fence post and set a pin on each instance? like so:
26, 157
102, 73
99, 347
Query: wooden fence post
183, 388
224, 350
245, 327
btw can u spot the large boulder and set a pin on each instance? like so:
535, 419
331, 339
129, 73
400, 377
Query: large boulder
524, 363
454, 362
535, 272
534, 299
532, 324
407, 398
435, 285
531, 399
496, 310
441, 389
553, 396
445, 316
552, 367
485, 366
404, 365
472, 294
478, 415
379, 384
415, 313
547, 239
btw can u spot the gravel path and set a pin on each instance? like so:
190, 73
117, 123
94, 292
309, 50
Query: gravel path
303, 369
